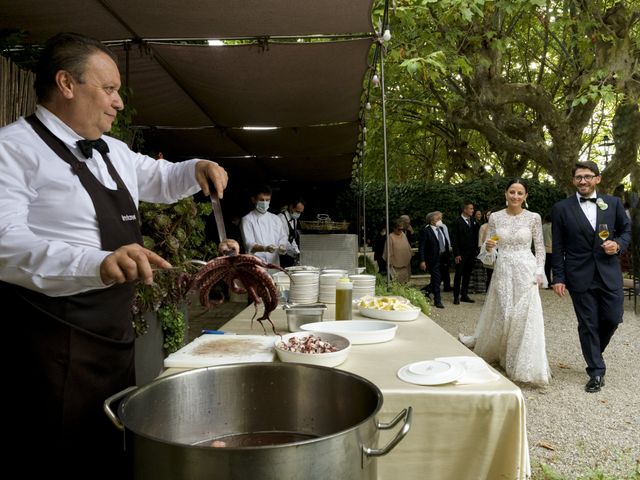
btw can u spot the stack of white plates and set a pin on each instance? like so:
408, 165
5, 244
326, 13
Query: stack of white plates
328, 286
363, 285
304, 287
282, 280
335, 271
302, 268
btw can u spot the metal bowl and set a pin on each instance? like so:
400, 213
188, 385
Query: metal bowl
298, 315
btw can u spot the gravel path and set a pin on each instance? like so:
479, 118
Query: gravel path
572, 431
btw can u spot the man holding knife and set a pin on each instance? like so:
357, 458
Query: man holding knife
71, 253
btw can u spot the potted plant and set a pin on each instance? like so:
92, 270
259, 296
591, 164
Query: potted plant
177, 233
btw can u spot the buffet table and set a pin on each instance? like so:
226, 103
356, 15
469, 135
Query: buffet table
458, 431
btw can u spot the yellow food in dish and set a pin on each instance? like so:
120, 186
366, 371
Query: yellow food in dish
386, 303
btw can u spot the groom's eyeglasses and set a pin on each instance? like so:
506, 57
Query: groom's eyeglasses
588, 178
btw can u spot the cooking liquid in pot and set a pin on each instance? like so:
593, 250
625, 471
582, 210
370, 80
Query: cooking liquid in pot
256, 439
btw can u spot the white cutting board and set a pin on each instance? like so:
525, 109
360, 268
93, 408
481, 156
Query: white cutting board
209, 350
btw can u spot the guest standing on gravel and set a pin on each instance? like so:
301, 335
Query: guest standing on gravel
588, 266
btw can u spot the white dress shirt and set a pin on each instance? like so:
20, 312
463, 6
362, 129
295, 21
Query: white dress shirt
49, 235
263, 229
287, 220
590, 209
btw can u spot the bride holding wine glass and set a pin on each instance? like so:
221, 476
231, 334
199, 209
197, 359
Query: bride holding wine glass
510, 330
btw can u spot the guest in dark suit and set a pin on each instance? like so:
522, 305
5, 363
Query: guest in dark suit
434, 253
465, 248
588, 267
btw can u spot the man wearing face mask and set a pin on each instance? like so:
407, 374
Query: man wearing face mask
289, 218
263, 233
434, 253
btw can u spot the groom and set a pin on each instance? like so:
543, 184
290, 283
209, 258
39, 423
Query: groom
588, 267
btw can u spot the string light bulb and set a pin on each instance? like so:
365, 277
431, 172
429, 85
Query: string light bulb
386, 36
375, 80
368, 106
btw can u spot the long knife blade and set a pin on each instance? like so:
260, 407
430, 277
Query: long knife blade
217, 213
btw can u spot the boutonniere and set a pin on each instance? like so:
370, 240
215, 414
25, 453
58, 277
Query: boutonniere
601, 204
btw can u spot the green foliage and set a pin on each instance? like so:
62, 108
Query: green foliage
510, 87
173, 327
176, 233
415, 296
417, 198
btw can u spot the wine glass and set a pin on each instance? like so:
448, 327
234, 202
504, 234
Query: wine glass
603, 231
495, 237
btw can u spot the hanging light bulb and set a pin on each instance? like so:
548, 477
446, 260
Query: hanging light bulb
375, 80
386, 36
364, 129
368, 106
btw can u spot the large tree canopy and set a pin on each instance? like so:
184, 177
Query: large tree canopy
479, 87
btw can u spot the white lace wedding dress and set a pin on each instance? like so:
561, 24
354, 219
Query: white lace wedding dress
511, 327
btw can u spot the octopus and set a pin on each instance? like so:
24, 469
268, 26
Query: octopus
247, 269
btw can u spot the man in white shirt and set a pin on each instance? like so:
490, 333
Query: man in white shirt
263, 233
71, 253
289, 218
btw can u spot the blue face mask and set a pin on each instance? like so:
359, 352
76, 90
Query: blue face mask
295, 215
262, 206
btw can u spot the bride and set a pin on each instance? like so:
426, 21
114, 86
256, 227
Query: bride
511, 328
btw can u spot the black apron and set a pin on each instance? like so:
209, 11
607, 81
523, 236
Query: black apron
73, 352
294, 234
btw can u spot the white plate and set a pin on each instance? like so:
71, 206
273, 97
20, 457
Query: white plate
392, 315
475, 370
358, 332
430, 372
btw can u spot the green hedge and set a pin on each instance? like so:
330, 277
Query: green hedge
416, 199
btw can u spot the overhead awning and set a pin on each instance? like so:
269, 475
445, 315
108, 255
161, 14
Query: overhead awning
194, 100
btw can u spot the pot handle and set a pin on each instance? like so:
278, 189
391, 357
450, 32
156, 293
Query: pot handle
379, 452
107, 407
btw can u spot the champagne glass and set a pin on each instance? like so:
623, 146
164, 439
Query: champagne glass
495, 237
603, 231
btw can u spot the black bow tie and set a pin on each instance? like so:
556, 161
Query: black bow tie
584, 199
86, 147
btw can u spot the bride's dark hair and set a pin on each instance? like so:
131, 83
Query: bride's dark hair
520, 181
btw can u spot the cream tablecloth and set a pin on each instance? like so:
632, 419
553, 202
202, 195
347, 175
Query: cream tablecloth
458, 432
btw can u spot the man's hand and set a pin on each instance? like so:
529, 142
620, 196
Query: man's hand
610, 247
423, 266
206, 171
282, 249
560, 289
270, 248
228, 246
130, 263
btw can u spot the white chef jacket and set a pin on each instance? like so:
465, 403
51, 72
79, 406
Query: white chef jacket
263, 229
49, 235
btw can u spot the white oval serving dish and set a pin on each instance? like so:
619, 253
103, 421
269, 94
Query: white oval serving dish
358, 332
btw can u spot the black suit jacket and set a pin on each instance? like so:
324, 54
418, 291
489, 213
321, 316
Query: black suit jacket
577, 251
429, 247
464, 238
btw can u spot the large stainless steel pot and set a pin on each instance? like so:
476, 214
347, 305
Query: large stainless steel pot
332, 411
